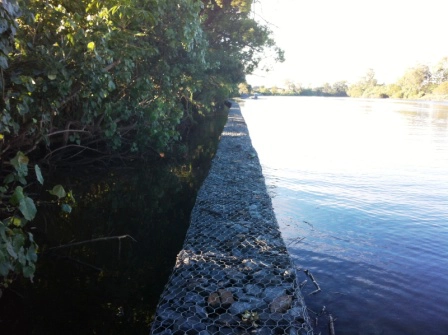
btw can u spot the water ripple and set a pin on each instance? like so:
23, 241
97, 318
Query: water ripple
360, 190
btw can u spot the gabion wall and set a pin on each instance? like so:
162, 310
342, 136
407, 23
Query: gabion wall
234, 275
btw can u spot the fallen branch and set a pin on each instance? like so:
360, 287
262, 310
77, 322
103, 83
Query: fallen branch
310, 275
111, 66
309, 224
331, 324
315, 291
68, 131
310, 310
83, 148
296, 240
82, 263
119, 238
322, 311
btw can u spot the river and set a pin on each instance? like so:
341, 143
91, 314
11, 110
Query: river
360, 190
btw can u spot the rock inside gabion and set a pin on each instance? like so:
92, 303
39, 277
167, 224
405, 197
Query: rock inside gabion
233, 275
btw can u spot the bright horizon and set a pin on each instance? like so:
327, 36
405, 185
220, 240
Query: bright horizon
330, 41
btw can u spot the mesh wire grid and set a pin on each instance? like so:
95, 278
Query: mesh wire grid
233, 274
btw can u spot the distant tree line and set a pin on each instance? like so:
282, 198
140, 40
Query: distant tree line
417, 82
338, 89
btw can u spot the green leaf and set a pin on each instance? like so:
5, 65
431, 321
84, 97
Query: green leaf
17, 196
31, 254
71, 39
22, 257
39, 177
31, 237
28, 208
3, 231
18, 239
111, 85
10, 250
71, 197
20, 163
20, 158
3, 62
91, 46
9, 178
4, 268
114, 9
58, 191
15, 221
66, 208
28, 271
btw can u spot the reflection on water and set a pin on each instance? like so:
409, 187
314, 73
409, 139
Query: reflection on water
111, 286
360, 189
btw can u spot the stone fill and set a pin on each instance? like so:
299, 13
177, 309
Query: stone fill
233, 275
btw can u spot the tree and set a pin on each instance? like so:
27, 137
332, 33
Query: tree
327, 89
106, 80
264, 90
441, 89
340, 88
394, 91
244, 88
355, 91
236, 45
116, 78
292, 88
369, 79
416, 81
440, 73
275, 90
367, 82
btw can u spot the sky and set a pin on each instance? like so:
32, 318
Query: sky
335, 40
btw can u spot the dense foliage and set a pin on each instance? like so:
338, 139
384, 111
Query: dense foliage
97, 76
101, 80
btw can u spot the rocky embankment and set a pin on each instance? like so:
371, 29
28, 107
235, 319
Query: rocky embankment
233, 275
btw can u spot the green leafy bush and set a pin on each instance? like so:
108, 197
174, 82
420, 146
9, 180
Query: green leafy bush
18, 250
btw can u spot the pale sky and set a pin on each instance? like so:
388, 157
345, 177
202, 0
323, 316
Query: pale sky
333, 40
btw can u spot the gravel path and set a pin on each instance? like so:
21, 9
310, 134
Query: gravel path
233, 275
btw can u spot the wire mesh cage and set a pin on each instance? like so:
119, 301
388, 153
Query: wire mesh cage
234, 274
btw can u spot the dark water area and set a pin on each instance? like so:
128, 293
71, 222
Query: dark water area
136, 218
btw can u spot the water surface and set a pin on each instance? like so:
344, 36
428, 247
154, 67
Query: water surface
360, 190
110, 286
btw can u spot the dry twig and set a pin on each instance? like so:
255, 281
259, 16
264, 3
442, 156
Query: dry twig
331, 324
119, 238
310, 275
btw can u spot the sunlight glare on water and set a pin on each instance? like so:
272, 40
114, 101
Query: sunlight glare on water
363, 185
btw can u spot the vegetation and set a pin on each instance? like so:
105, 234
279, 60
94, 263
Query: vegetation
87, 270
94, 81
337, 89
418, 82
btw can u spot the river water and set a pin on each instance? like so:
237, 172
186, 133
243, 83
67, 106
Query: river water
360, 190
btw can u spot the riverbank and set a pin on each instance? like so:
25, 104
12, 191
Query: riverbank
234, 274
